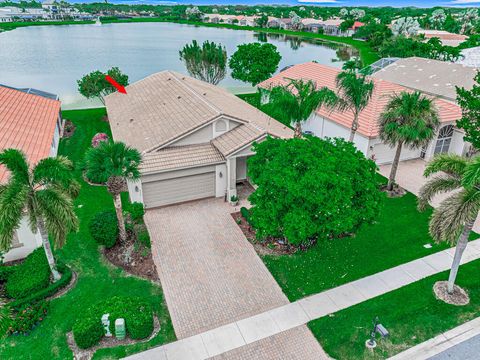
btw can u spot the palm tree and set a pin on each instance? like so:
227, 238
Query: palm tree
298, 100
117, 163
409, 119
45, 193
453, 220
355, 91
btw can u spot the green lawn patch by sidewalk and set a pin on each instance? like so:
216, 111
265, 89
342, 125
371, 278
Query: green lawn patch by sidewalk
97, 280
16, 24
397, 237
411, 314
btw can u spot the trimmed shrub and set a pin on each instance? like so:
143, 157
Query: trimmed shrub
48, 291
104, 228
136, 211
245, 214
144, 238
89, 331
137, 313
29, 277
28, 316
6, 271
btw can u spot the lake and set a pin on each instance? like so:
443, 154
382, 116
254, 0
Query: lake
53, 58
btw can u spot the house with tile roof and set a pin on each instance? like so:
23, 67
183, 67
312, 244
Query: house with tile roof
335, 123
31, 123
195, 138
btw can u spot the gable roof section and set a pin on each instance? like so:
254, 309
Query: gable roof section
27, 123
237, 138
167, 105
430, 76
368, 119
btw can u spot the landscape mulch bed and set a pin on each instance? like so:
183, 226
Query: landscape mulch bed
68, 129
269, 246
140, 261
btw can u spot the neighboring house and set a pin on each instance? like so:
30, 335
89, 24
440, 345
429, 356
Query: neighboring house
274, 22
470, 57
312, 25
5, 18
332, 27
194, 137
446, 38
328, 123
32, 123
434, 77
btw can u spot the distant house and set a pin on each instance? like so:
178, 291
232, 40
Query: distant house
29, 121
332, 27
312, 25
446, 38
328, 123
273, 22
194, 137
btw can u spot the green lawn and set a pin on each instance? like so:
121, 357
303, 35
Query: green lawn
397, 237
411, 314
16, 24
97, 279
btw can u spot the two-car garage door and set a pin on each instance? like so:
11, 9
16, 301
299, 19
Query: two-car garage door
184, 187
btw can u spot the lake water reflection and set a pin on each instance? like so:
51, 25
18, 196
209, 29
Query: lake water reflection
52, 58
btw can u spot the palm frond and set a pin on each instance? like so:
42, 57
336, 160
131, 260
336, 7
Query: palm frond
53, 170
471, 176
436, 185
12, 202
16, 163
451, 164
56, 209
453, 213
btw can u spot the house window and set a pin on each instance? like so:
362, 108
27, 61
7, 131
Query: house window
444, 139
220, 126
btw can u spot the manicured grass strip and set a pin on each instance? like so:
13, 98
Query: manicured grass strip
97, 280
411, 314
396, 238
17, 24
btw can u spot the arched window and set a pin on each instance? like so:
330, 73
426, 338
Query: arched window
444, 139
220, 126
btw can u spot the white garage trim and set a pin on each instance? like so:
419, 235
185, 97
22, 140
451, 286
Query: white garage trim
179, 189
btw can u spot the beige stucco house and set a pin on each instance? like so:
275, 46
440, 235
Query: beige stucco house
195, 138
29, 121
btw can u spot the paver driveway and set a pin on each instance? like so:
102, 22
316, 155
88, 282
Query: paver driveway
212, 276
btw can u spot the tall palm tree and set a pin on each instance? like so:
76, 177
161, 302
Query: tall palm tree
355, 91
409, 119
453, 220
117, 163
45, 193
298, 100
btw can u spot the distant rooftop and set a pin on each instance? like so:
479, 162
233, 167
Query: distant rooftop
433, 77
34, 92
470, 57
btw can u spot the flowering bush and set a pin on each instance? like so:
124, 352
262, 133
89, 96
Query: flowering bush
98, 138
28, 316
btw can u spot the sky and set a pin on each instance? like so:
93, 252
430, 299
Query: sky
393, 3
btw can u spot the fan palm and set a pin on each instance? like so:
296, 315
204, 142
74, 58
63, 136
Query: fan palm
117, 163
453, 220
355, 91
409, 119
45, 193
298, 100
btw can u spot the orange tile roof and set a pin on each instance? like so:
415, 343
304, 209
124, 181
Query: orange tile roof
368, 119
27, 123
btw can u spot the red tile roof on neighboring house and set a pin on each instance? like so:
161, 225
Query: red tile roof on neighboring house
356, 25
324, 75
27, 123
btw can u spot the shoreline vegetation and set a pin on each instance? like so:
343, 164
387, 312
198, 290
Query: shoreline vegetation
366, 53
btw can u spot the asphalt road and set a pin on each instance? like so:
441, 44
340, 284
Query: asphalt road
467, 350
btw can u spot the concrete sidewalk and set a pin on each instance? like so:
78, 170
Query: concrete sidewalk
288, 317
443, 344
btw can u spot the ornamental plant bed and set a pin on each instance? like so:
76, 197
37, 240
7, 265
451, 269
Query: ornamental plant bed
268, 246
68, 129
136, 260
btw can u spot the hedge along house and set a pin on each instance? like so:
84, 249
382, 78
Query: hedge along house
328, 123
30, 121
194, 137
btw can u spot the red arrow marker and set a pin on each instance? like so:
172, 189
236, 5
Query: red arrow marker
117, 86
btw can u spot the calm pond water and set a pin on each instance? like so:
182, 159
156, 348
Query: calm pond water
52, 58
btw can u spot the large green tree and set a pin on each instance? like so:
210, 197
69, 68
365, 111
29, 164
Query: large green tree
469, 101
311, 188
95, 86
254, 62
297, 100
207, 62
45, 194
114, 163
355, 91
453, 220
409, 119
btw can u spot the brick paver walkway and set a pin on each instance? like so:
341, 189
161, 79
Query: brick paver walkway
212, 276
